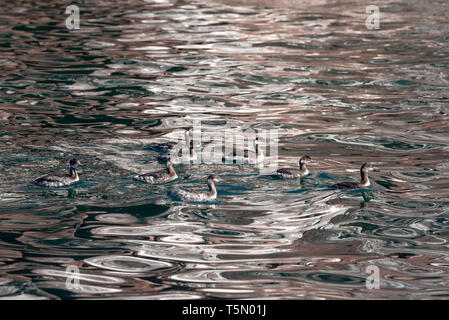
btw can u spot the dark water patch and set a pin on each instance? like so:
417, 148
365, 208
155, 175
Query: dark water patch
144, 210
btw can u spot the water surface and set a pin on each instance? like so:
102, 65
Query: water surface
140, 72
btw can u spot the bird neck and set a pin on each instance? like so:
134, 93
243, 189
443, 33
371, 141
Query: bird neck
72, 173
364, 180
303, 168
212, 189
259, 152
171, 170
187, 137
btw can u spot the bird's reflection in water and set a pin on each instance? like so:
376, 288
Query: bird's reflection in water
367, 196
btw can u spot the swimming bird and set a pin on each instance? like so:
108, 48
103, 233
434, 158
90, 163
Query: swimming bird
53, 180
168, 146
364, 181
246, 156
180, 157
291, 173
159, 176
199, 196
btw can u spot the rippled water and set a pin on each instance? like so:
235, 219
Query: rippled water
140, 72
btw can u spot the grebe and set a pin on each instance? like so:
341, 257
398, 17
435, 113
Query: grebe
291, 173
364, 181
159, 176
180, 156
50, 180
189, 195
168, 146
247, 156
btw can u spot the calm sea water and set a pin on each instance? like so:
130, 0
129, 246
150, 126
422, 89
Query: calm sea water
139, 72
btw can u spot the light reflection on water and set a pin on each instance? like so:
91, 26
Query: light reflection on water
139, 72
